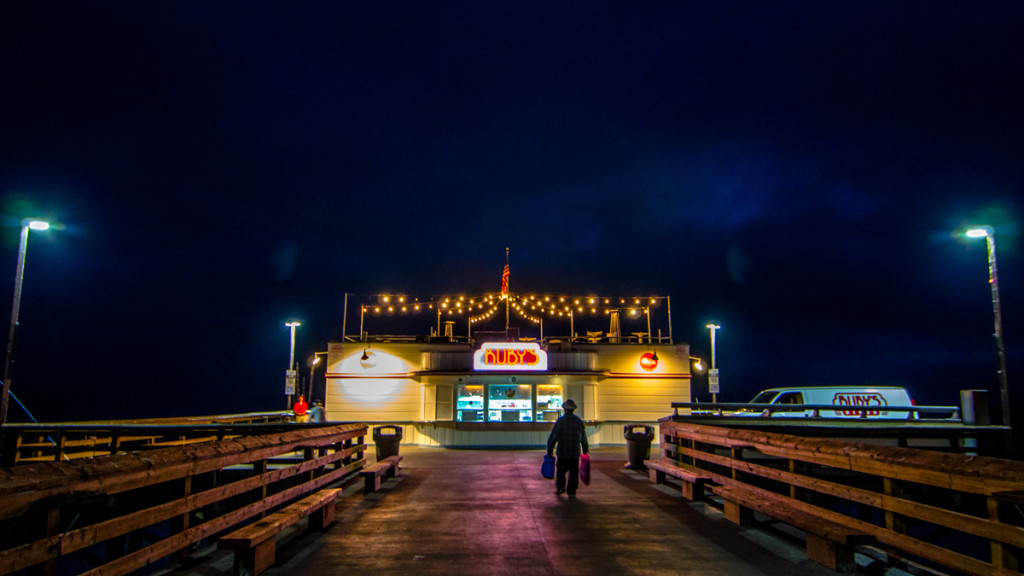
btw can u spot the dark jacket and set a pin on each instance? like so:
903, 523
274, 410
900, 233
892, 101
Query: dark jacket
568, 433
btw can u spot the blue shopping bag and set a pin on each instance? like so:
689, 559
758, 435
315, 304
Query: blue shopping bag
547, 469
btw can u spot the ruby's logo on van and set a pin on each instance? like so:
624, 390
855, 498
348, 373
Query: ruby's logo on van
863, 399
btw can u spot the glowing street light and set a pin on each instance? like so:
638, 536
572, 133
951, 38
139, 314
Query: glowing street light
312, 371
988, 234
19, 273
697, 364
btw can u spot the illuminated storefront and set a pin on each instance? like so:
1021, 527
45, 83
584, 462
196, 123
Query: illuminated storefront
500, 389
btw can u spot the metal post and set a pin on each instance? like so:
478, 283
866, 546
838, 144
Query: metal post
344, 318
291, 348
669, 300
291, 356
12, 335
19, 273
312, 377
713, 327
993, 280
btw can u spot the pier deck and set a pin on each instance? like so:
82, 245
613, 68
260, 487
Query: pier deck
490, 512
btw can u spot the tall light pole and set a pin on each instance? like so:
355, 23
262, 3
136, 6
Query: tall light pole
988, 234
290, 374
19, 274
713, 373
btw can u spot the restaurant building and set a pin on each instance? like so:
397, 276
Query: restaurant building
497, 388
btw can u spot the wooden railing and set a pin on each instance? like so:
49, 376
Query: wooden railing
68, 441
930, 427
951, 510
816, 411
116, 514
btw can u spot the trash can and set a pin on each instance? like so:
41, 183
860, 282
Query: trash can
387, 439
638, 444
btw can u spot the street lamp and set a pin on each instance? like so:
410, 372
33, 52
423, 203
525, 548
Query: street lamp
988, 234
19, 273
312, 371
291, 372
12, 336
697, 364
713, 373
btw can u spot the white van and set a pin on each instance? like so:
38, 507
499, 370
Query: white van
839, 396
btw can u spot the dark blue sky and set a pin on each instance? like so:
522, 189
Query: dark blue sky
792, 171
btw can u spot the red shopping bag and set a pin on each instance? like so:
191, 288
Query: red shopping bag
585, 469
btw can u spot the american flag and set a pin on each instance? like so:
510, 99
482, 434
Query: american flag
504, 280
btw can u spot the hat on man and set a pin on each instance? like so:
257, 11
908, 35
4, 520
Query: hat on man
569, 404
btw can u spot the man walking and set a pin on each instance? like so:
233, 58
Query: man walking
569, 434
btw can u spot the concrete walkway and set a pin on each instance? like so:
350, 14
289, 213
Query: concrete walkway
491, 512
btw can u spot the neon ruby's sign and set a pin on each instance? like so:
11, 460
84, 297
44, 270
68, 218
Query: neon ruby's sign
510, 356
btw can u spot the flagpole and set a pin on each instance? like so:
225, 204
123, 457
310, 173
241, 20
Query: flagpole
506, 295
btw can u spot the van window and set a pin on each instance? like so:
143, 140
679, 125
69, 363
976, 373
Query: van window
790, 398
765, 397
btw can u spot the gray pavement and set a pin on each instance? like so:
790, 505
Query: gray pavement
491, 512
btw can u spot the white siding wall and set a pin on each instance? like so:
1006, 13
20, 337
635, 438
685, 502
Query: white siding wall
639, 399
374, 400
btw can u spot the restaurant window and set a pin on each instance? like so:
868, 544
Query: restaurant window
470, 403
549, 402
510, 403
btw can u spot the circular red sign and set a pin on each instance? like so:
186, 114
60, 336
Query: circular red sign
648, 361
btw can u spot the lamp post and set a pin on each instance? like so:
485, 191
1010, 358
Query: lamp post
312, 371
988, 234
19, 274
713, 373
698, 367
290, 374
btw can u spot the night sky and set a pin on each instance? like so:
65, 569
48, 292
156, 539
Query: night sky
794, 171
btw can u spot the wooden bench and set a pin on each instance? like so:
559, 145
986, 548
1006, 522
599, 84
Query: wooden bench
255, 545
828, 543
374, 474
693, 479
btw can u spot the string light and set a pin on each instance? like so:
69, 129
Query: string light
482, 307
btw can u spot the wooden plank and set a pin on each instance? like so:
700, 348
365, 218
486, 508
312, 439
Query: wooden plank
806, 521
985, 528
974, 474
679, 470
38, 551
22, 486
907, 544
251, 535
158, 550
692, 479
373, 474
902, 542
